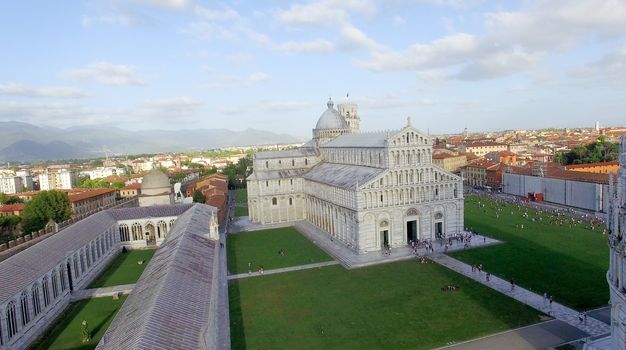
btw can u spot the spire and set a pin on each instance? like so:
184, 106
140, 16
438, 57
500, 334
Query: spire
330, 103
408, 121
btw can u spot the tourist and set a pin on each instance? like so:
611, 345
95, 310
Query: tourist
487, 276
550, 300
545, 298
580, 317
512, 284
249, 267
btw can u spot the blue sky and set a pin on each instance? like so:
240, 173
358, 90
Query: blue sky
449, 64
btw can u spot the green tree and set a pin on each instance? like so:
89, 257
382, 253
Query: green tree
198, 197
600, 151
45, 206
118, 184
7, 199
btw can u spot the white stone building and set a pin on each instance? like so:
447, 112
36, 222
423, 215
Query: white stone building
369, 191
616, 277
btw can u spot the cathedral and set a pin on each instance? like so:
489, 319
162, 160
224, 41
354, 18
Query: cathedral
369, 191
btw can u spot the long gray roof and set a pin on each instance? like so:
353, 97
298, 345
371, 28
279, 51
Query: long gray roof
342, 175
169, 306
154, 211
290, 153
368, 139
21, 269
277, 174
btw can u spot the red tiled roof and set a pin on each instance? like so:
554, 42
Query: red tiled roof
79, 196
133, 186
10, 208
588, 165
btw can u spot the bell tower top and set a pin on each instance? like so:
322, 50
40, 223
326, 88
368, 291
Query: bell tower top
349, 112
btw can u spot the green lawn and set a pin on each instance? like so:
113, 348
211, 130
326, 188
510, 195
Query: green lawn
124, 269
567, 262
66, 332
241, 211
261, 248
389, 306
241, 196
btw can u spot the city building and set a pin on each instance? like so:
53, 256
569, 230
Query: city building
480, 173
131, 190
481, 148
33, 295
155, 189
11, 184
11, 209
63, 179
102, 172
449, 162
27, 179
214, 187
504, 157
87, 200
369, 191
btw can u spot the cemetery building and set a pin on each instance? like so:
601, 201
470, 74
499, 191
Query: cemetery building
368, 191
37, 282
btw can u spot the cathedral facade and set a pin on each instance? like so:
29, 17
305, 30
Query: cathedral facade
369, 191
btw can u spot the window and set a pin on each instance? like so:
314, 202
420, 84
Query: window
35, 300
46, 291
62, 278
24, 309
11, 320
137, 231
291, 181
55, 288
280, 162
436, 191
290, 201
267, 184
274, 201
306, 161
124, 234
278, 182
293, 162
267, 165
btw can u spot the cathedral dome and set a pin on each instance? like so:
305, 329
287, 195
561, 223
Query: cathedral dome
331, 119
155, 180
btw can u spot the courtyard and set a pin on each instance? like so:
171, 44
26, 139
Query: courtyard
66, 332
261, 248
566, 261
240, 199
124, 269
390, 306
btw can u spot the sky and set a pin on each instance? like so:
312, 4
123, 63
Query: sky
272, 65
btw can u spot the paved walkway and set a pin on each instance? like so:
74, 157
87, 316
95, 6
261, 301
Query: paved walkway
350, 259
592, 327
101, 292
542, 335
282, 270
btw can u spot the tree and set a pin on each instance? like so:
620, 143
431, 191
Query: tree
600, 151
45, 206
198, 197
118, 184
6, 199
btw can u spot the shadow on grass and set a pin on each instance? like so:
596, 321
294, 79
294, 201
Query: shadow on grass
237, 332
103, 323
58, 325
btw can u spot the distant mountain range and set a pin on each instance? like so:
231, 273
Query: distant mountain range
27, 142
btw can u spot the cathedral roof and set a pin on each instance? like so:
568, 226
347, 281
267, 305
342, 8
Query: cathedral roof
277, 174
342, 175
368, 140
331, 119
292, 153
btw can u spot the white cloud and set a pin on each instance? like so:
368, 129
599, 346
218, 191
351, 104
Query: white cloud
110, 19
224, 14
259, 76
266, 106
12, 89
46, 113
105, 73
317, 46
398, 20
178, 104
514, 41
168, 4
612, 67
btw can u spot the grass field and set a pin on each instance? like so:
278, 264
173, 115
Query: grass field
241, 211
241, 196
66, 332
261, 248
124, 269
569, 263
389, 306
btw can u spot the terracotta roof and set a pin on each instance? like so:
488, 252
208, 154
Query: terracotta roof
482, 163
588, 165
9, 208
446, 155
133, 186
483, 144
86, 194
